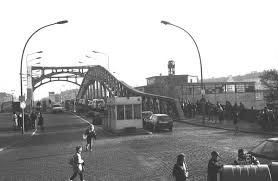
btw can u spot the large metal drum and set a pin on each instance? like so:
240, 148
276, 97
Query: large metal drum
274, 170
245, 173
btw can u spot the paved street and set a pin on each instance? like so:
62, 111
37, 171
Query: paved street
44, 156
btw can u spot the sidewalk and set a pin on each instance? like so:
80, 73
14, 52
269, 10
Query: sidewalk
244, 126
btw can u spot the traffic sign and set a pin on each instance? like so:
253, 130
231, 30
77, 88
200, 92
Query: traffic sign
21, 98
22, 105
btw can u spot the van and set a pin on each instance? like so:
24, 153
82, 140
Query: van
96, 104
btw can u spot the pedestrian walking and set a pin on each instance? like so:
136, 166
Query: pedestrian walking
180, 170
78, 163
213, 166
20, 120
33, 118
236, 119
40, 122
89, 134
221, 114
15, 121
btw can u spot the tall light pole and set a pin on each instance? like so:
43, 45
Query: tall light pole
202, 84
103, 54
59, 22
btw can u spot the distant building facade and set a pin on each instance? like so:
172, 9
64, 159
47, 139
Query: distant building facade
187, 88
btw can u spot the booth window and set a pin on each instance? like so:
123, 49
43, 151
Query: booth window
128, 111
137, 111
120, 112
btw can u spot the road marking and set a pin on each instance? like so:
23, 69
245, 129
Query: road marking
2, 149
34, 132
82, 118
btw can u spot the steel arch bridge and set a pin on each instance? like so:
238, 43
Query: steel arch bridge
51, 74
100, 83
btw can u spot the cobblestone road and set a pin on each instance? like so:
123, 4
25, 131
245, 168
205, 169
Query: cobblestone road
142, 157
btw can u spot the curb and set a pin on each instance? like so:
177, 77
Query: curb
125, 133
228, 129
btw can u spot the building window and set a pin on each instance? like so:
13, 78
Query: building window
249, 87
137, 111
120, 112
240, 88
128, 111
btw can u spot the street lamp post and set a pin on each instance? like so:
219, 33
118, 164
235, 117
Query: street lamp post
201, 69
21, 91
103, 54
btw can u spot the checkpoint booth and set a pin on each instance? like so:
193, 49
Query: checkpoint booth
123, 113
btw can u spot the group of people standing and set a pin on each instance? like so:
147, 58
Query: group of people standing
31, 121
268, 117
180, 170
213, 112
76, 161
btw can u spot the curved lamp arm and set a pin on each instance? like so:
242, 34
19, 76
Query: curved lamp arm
168, 23
59, 22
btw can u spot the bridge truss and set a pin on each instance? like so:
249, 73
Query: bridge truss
100, 83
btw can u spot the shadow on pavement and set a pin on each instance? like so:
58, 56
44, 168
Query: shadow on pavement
46, 156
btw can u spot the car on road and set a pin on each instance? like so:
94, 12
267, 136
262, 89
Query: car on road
159, 121
146, 115
57, 108
267, 150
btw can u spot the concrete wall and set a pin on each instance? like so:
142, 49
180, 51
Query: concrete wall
121, 124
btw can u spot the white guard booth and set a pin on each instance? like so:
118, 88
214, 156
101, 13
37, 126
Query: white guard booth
123, 113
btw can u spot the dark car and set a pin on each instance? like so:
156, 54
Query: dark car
146, 115
159, 121
268, 149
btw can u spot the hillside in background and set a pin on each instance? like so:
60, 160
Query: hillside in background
238, 78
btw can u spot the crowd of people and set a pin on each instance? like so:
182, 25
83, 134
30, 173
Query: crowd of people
267, 117
180, 170
31, 121
214, 112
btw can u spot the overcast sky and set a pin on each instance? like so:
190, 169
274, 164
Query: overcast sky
234, 37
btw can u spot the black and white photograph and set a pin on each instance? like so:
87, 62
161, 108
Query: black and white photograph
138, 90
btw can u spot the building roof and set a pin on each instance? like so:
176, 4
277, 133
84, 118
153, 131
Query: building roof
165, 76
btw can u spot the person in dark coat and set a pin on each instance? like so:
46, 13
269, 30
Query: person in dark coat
26, 122
213, 166
40, 122
20, 121
90, 133
33, 118
245, 158
180, 170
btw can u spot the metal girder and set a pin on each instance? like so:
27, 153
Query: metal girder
155, 103
51, 73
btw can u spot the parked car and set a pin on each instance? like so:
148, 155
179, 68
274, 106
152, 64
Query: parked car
57, 108
146, 115
266, 150
159, 121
